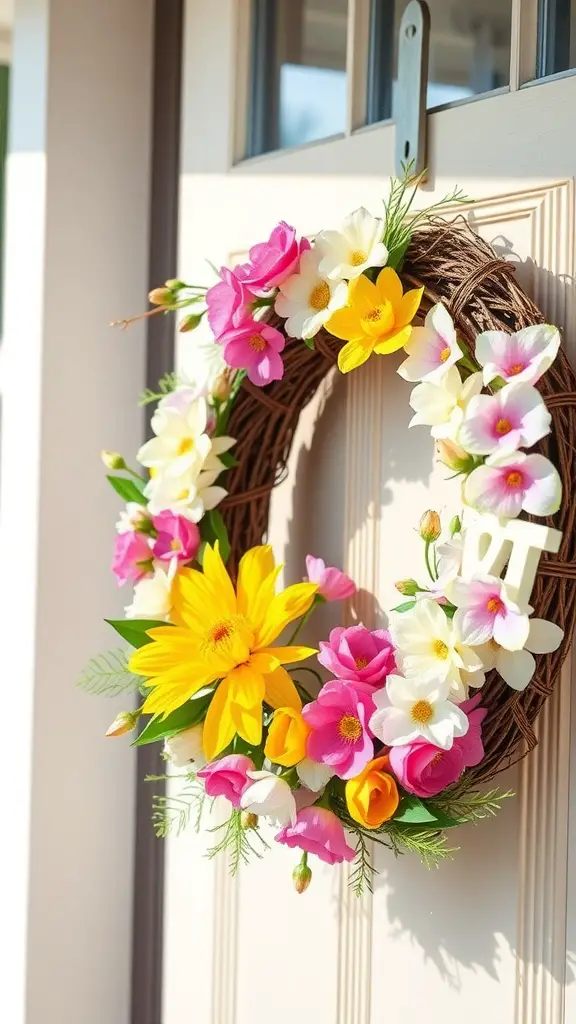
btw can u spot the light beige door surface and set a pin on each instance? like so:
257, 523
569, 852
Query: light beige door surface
490, 936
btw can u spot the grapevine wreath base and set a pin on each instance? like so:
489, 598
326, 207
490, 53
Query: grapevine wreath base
414, 720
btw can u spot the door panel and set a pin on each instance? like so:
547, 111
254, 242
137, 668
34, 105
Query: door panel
484, 938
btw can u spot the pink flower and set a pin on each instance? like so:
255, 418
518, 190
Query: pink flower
318, 830
425, 770
132, 557
273, 261
227, 777
508, 484
358, 654
515, 417
333, 585
338, 719
255, 347
177, 538
229, 302
523, 356
485, 612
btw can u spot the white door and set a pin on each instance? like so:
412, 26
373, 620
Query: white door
492, 935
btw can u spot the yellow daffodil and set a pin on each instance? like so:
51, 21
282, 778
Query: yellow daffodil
377, 318
221, 634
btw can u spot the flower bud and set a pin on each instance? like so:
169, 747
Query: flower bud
301, 876
112, 460
453, 456
455, 526
124, 722
249, 820
190, 322
174, 284
407, 587
222, 387
161, 297
430, 527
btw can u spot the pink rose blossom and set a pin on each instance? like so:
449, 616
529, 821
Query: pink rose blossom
273, 261
132, 557
255, 347
318, 830
333, 584
338, 719
229, 302
485, 612
177, 538
358, 654
227, 777
515, 417
523, 356
425, 770
509, 484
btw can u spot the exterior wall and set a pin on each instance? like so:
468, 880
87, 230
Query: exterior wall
76, 257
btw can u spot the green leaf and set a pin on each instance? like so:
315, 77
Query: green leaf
128, 490
109, 674
310, 343
192, 712
406, 606
135, 631
397, 253
229, 460
216, 530
413, 811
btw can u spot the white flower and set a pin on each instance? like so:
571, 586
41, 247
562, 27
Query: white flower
523, 356
352, 250
182, 443
518, 667
441, 406
432, 349
152, 597
271, 796
515, 417
190, 495
449, 563
412, 709
203, 364
186, 746
131, 517
307, 299
430, 648
313, 775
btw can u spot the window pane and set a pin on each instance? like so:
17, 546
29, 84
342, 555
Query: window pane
556, 36
299, 72
469, 51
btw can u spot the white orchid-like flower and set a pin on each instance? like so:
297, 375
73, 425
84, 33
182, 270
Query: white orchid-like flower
313, 775
182, 444
131, 518
153, 596
347, 253
410, 709
190, 495
518, 667
515, 417
432, 349
270, 796
307, 299
430, 648
441, 406
523, 356
186, 746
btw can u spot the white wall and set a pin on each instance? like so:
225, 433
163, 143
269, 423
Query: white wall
76, 258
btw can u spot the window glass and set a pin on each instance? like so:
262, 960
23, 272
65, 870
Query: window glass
469, 51
299, 72
556, 36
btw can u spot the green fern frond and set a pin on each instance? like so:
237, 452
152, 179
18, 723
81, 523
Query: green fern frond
109, 674
236, 842
175, 812
168, 383
430, 846
472, 806
363, 870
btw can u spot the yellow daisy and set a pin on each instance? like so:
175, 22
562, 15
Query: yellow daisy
224, 635
377, 318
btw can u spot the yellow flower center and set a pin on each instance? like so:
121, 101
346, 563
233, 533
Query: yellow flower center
514, 479
379, 320
444, 354
440, 649
257, 343
358, 257
175, 544
517, 368
350, 728
422, 712
360, 663
219, 635
437, 757
494, 606
186, 445
183, 494
503, 427
319, 296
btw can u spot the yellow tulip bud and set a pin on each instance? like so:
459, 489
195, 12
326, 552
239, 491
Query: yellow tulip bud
222, 387
249, 820
287, 735
407, 587
302, 875
372, 796
454, 457
124, 722
112, 460
161, 297
190, 322
430, 527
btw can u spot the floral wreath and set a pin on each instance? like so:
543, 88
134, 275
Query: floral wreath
392, 746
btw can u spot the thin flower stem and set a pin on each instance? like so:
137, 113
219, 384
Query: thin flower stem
302, 623
427, 560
